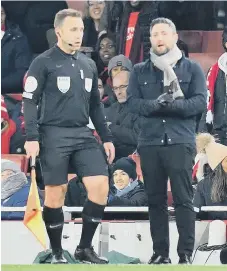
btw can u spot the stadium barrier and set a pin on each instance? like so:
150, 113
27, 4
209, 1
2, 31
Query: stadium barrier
131, 238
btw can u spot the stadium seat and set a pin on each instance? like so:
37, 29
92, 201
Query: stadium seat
193, 39
20, 159
205, 60
212, 42
202, 41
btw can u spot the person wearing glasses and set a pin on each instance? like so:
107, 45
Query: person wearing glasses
123, 124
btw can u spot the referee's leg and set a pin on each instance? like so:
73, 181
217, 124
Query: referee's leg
54, 164
92, 167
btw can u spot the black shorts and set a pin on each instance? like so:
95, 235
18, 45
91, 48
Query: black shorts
60, 146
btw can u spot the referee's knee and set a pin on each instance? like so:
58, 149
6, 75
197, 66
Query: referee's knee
97, 188
55, 195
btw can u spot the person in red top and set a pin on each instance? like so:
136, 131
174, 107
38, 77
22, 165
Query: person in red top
216, 117
134, 31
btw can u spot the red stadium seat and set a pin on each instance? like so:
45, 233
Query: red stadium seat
20, 159
16, 96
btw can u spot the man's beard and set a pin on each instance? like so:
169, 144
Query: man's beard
161, 54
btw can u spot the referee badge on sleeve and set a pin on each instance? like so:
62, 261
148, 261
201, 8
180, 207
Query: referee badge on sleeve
63, 83
88, 84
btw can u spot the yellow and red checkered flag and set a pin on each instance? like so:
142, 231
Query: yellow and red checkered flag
33, 215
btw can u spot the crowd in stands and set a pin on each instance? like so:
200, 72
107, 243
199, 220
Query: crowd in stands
116, 37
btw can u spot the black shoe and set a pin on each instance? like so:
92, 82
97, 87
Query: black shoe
158, 259
58, 259
185, 259
88, 255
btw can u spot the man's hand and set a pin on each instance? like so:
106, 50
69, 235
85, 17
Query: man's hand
32, 148
165, 98
110, 151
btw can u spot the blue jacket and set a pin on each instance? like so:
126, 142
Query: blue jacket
177, 120
18, 199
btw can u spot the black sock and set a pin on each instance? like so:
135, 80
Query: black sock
54, 221
92, 215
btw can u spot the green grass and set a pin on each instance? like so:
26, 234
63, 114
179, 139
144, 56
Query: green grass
82, 267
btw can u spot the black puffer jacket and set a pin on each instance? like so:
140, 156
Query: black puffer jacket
16, 58
136, 197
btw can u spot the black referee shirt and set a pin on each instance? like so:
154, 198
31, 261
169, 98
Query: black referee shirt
62, 90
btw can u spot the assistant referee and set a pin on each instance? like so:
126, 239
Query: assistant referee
60, 94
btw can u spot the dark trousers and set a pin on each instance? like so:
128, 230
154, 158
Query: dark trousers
158, 163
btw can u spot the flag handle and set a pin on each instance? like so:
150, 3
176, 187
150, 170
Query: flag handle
32, 162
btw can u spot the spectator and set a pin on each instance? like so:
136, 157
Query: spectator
183, 47
14, 189
101, 88
34, 19
106, 48
124, 125
212, 190
216, 118
16, 56
117, 64
134, 31
127, 189
93, 12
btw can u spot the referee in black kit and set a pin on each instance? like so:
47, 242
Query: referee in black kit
64, 84
169, 92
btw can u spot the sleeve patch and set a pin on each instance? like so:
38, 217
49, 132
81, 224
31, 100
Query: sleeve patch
31, 84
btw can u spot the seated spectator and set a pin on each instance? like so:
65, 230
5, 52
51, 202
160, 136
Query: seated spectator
212, 190
134, 38
127, 189
116, 64
124, 125
93, 12
183, 47
16, 56
106, 49
216, 117
14, 189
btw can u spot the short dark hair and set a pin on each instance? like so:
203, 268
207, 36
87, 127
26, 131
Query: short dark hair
62, 14
162, 20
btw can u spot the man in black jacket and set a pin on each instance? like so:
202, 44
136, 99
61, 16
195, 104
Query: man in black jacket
169, 92
123, 124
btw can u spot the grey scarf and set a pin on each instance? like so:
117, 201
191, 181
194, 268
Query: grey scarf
165, 63
127, 189
12, 184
